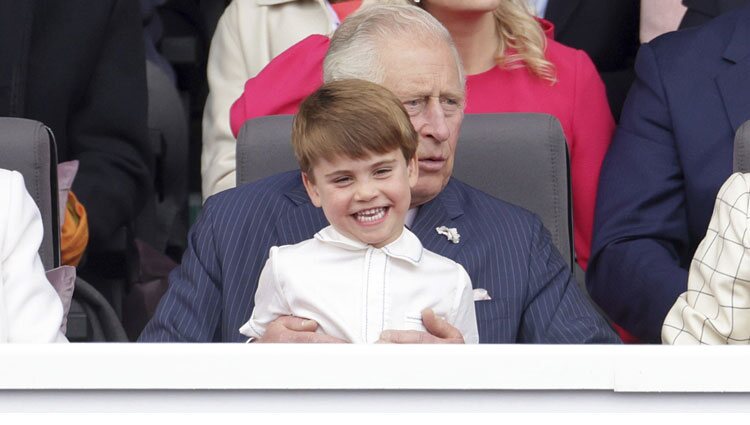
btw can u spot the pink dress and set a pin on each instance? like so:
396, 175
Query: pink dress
578, 100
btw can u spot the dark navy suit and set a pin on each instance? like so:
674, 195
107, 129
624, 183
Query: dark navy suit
504, 248
671, 153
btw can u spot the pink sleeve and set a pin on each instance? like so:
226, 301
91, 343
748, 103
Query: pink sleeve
593, 127
283, 84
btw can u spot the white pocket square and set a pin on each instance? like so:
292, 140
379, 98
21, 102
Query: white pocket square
481, 294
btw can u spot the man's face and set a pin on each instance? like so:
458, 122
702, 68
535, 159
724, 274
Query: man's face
425, 79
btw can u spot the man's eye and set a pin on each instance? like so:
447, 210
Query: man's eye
449, 103
414, 105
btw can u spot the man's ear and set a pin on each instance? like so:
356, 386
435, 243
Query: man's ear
312, 189
412, 168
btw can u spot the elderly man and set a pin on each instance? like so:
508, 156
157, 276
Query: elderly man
506, 250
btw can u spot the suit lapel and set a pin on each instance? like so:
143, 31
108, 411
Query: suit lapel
734, 83
559, 13
300, 222
444, 210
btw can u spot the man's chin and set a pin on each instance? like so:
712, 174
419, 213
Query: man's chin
427, 189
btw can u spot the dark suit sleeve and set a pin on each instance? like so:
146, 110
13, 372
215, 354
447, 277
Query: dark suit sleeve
190, 310
641, 227
107, 130
557, 311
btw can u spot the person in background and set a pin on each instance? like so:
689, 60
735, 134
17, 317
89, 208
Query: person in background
671, 153
30, 309
249, 34
513, 66
607, 31
79, 68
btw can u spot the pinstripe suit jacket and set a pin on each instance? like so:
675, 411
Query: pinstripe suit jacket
504, 248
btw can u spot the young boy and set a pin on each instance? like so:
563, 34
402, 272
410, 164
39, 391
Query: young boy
366, 272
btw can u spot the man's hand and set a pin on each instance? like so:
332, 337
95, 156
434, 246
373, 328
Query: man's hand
295, 330
438, 332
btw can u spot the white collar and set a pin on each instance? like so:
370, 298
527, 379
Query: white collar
407, 247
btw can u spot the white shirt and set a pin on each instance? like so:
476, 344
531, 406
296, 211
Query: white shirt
30, 309
355, 291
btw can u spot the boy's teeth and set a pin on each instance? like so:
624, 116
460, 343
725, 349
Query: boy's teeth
371, 214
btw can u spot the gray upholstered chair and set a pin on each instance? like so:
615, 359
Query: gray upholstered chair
25, 146
28, 147
741, 160
520, 158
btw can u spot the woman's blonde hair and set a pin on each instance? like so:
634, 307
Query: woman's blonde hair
522, 39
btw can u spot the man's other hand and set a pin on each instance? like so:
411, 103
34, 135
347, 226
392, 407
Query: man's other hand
438, 332
295, 330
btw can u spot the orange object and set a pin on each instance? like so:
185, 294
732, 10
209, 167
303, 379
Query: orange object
75, 232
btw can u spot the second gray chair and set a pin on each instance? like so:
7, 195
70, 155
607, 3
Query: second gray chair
741, 157
520, 158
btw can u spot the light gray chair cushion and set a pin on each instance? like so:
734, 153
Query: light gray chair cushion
28, 147
742, 149
520, 158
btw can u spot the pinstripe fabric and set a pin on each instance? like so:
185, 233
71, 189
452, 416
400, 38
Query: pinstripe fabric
504, 249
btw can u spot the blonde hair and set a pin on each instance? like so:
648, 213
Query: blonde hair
522, 39
521, 34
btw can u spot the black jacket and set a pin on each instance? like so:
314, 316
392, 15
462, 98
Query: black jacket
78, 66
608, 31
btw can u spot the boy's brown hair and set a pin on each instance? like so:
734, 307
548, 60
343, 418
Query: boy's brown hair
351, 118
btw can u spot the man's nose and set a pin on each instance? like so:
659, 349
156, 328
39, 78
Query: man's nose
435, 124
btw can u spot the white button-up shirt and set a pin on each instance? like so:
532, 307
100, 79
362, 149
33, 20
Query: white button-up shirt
355, 291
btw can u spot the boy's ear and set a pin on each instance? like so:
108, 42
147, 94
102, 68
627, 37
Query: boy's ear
412, 168
312, 190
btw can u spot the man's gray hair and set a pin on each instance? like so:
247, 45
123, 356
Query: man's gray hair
354, 48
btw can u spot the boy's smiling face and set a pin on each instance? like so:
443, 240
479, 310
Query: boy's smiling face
364, 199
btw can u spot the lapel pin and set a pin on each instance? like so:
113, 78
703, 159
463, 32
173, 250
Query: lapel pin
449, 232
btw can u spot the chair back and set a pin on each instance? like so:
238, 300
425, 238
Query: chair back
741, 157
521, 158
28, 147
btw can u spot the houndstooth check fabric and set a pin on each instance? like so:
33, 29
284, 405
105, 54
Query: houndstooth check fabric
716, 307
